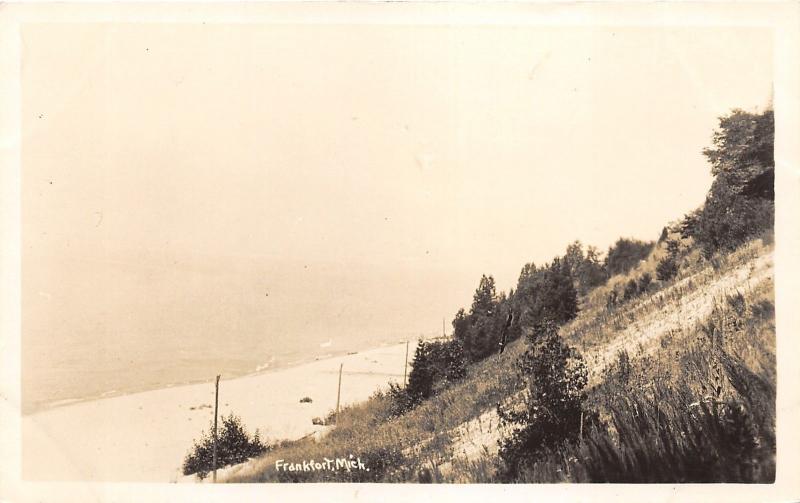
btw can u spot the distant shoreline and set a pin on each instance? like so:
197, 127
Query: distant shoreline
36, 408
144, 436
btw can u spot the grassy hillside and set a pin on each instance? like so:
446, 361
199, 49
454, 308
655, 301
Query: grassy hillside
655, 363
682, 379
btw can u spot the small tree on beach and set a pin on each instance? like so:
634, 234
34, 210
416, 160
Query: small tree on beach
234, 445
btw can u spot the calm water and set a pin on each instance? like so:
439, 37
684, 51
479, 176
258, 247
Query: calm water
120, 327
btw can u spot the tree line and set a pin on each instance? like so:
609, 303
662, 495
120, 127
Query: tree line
739, 205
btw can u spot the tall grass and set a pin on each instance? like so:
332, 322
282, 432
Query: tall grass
700, 408
406, 448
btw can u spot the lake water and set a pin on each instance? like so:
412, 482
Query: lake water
101, 328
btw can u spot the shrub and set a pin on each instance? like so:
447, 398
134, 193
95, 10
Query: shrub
611, 300
740, 203
479, 331
547, 293
553, 411
234, 446
625, 255
644, 283
400, 400
434, 363
631, 290
667, 267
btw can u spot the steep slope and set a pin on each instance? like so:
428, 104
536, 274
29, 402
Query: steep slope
675, 309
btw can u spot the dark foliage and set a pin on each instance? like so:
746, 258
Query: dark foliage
740, 203
553, 411
690, 223
234, 445
479, 331
631, 290
644, 282
667, 267
435, 363
625, 255
546, 294
586, 269
729, 219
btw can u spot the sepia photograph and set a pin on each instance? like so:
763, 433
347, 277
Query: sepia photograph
526, 245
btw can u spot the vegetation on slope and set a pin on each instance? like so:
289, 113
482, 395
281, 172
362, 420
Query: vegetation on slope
624, 391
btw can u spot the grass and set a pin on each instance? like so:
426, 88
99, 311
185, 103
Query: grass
702, 410
696, 404
407, 448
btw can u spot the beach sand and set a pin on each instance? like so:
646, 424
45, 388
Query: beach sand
145, 436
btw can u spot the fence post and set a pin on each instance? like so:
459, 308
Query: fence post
216, 406
339, 392
405, 366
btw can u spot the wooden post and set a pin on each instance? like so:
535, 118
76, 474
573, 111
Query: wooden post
405, 367
339, 392
216, 407
581, 434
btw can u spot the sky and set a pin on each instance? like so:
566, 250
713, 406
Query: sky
164, 162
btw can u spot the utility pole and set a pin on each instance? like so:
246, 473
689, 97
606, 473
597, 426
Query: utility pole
339, 392
405, 367
216, 407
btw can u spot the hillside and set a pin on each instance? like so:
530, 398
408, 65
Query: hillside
454, 436
651, 362
642, 329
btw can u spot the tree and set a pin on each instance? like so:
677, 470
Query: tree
555, 377
234, 446
667, 267
643, 285
461, 325
574, 257
626, 254
740, 203
547, 294
485, 298
435, 362
743, 145
420, 380
631, 290
478, 331
590, 272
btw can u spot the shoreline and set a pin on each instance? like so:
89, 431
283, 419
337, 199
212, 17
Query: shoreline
144, 436
278, 366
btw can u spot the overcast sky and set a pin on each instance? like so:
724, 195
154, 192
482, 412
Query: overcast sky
436, 153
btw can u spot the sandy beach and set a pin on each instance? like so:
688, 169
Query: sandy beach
145, 436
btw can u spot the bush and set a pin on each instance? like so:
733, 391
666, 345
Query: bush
667, 267
434, 363
740, 203
547, 293
625, 255
479, 331
553, 411
644, 283
729, 219
234, 446
631, 290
